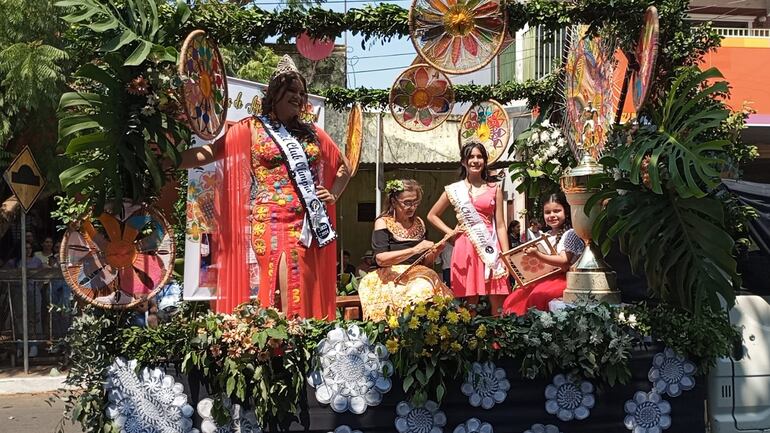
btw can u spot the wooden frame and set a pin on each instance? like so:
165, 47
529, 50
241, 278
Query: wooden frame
534, 270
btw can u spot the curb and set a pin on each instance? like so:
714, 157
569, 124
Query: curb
31, 384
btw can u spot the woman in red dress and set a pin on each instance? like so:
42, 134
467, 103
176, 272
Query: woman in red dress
263, 216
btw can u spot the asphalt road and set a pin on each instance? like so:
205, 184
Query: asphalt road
30, 413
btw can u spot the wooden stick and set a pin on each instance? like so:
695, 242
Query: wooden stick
419, 260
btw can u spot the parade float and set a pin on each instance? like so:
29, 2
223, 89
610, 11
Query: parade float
435, 366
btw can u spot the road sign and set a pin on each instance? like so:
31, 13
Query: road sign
23, 176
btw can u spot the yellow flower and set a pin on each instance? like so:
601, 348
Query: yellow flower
444, 332
455, 346
393, 322
392, 345
414, 323
452, 317
420, 311
472, 343
465, 315
425, 353
433, 315
442, 301
431, 340
281, 202
481, 332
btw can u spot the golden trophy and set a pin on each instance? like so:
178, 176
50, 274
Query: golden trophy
590, 277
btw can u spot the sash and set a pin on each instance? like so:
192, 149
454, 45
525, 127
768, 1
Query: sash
484, 242
316, 224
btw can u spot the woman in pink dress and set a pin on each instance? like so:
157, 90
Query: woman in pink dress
477, 268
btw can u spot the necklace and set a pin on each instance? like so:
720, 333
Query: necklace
415, 232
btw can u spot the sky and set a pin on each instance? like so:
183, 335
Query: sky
377, 64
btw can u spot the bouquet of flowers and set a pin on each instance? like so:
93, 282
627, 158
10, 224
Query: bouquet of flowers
542, 156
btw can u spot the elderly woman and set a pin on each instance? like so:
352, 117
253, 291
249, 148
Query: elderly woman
398, 241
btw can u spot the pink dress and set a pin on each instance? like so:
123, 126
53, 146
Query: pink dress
468, 275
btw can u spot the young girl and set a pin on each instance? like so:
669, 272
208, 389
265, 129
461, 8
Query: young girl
476, 268
569, 246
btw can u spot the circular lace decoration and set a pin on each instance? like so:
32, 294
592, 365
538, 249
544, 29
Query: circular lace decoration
671, 373
540, 428
646, 53
457, 36
647, 413
241, 421
569, 399
422, 98
345, 429
485, 385
422, 419
474, 425
486, 122
153, 402
353, 373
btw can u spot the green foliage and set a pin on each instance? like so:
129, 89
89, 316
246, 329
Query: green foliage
260, 359
260, 66
663, 209
123, 120
137, 26
541, 92
32, 74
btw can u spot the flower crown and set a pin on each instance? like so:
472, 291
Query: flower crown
392, 186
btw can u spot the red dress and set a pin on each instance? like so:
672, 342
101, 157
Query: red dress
276, 214
468, 272
540, 293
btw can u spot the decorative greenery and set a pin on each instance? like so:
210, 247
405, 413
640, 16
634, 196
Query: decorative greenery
542, 155
394, 185
662, 208
542, 92
260, 359
123, 118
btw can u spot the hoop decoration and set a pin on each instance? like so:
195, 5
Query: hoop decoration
646, 54
422, 98
486, 122
204, 85
457, 36
590, 97
314, 49
355, 138
118, 260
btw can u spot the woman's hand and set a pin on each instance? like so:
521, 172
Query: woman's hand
324, 195
531, 251
422, 247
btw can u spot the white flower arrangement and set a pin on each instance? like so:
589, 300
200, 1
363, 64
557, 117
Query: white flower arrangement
569, 399
241, 421
647, 412
474, 425
540, 428
485, 385
543, 151
671, 373
421, 419
353, 373
153, 402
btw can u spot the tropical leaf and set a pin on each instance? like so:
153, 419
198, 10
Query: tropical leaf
663, 209
676, 147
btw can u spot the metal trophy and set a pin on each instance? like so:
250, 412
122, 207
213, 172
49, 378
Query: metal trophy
590, 277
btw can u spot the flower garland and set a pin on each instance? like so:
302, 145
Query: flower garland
261, 359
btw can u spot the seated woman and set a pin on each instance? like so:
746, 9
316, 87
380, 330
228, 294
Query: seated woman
398, 241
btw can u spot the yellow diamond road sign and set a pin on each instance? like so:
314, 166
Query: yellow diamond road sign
23, 176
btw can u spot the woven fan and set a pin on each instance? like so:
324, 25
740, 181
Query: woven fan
355, 138
204, 90
590, 97
457, 36
487, 123
118, 260
646, 54
421, 98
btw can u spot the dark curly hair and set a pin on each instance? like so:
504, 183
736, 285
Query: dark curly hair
275, 91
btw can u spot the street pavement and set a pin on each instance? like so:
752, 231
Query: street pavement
30, 413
